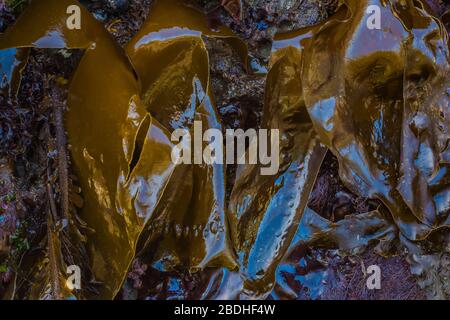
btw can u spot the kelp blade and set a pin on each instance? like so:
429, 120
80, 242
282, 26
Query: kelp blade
379, 100
189, 230
350, 236
265, 210
105, 88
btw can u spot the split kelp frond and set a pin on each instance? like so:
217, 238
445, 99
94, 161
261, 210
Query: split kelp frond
188, 228
104, 87
125, 172
378, 99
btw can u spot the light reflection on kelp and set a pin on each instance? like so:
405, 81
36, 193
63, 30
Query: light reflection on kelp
378, 99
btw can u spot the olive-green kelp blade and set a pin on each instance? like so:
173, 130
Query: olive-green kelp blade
379, 100
108, 129
189, 229
357, 99
350, 235
265, 210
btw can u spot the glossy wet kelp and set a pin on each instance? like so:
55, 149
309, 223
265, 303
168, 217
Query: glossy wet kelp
378, 99
122, 154
264, 210
189, 229
351, 236
105, 88
12, 63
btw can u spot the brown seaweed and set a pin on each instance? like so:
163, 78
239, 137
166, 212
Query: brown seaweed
350, 236
358, 86
105, 87
378, 99
264, 211
188, 228
12, 63
126, 171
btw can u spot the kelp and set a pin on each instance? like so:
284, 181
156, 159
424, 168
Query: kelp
430, 263
188, 228
318, 232
104, 87
122, 153
350, 236
42, 272
264, 211
379, 100
12, 63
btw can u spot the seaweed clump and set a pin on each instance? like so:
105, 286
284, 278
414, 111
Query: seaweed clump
377, 99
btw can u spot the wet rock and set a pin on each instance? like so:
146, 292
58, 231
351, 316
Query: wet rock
6, 16
6, 133
331, 199
239, 95
113, 6
260, 20
138, 270
205, 5
117, 5
122, 18
343, 206
100, 15
234, 8
7, 209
